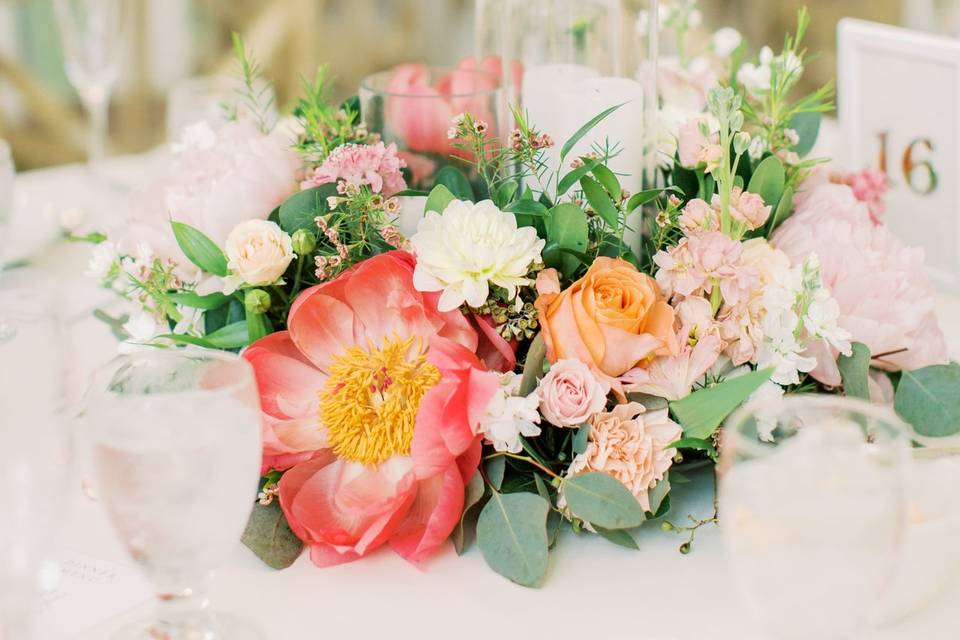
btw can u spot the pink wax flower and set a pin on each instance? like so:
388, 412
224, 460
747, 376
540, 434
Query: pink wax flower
375, 165
371, 401
885, 298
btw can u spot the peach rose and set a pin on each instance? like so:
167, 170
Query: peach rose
613, 318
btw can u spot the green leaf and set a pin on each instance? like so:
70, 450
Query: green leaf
601, 500
438, 199
608, 179
269, 536
300, 210
782, 212
581, 438
192, 299
257, 326
527, 211
533, 366
701, 412
929, 399
658, 495
584, 130
574, 176
855, 371
541, 487
472, 494
506, 192
494, 468
600, 201
807, 126
567, 226
115, 324
512, 536
231, 336
641, 198
768, 180
200, 249
699, 444
454, 180
619, 537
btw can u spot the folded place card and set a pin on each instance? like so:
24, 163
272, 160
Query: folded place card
90, 591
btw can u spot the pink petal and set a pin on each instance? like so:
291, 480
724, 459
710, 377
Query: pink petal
432, 517
288, 385
323, 326
497, 354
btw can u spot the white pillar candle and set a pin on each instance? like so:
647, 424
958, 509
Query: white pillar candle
411, 211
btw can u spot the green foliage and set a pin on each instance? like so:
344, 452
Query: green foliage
768, 180
701, 412
601, 202
455, 180
269, 536
255, 94
618, 537
196, 301
855, 371
584, 130
807, 126
533, 365
697, 444
781, 212
300, 210
200, 249
602, 500
473, 494
512, 536
567, 227
574, 175
929, 399
231, 336
440, 196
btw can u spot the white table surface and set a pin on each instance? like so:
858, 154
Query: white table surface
594, 589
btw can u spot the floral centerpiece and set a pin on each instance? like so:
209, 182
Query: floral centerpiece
510, 361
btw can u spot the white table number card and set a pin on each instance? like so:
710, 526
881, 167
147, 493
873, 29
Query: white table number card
899, 96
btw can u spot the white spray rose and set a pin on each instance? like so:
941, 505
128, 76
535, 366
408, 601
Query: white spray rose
258, 252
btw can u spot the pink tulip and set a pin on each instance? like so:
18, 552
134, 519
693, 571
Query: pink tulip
371, 403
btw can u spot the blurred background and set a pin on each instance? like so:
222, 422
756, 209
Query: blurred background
166, 41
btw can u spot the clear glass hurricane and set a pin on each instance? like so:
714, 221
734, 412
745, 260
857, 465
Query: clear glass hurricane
812, 508
90, 31
7, 174
176, 451
34, 449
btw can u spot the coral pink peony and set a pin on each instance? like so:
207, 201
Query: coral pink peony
570, 393
371, 402
375, 165
886, 301
630, 444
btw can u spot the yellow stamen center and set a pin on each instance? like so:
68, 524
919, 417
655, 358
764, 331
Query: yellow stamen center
370, 401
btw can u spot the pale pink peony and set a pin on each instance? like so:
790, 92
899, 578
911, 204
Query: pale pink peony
886, 301
696, 149
374, 165
746, 208
672, 377
570, 393
869, 186
699, 215
630, 444
236, 174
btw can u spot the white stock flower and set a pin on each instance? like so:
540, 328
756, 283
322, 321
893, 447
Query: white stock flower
766, 419
509, 416
258, 252
725, 41
468, 248
756, 78
141, 329
102, 260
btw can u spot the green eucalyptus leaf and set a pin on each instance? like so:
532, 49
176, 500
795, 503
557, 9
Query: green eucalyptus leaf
494, 468
698, 444
269, 536
782, 211
300, 210
929, 399
438, 199
454, 180
807, 126
196, 301
602, 500
658, 495
601, 202
581, 437
768, 180
533, 366
512, 536
618, 537
472, 494
200, 249
567, 226
541, 487
701, 412
506, 192
855, 371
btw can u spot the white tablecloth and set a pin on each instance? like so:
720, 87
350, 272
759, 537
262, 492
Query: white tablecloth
594, 589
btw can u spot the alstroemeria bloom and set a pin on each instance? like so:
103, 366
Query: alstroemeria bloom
372, 400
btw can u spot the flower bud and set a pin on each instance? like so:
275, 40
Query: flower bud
304, 242
256, 301
741, 142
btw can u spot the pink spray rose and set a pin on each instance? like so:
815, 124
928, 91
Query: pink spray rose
886, 301
375, 165
570, 393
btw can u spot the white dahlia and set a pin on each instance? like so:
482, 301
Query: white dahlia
468, 247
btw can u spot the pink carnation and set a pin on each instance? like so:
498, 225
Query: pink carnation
375, 165
886, 301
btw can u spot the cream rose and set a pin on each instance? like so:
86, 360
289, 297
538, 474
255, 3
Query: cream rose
258, 252
570, 393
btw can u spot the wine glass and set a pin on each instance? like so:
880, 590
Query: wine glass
90, 33
176, 452
34, 450
7, 173
812, 515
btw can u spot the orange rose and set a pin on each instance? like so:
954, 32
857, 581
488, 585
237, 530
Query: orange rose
614, 318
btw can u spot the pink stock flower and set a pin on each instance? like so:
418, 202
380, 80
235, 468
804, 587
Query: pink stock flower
886, 301
672, 377
419, 112
371, 403
630, 444
696, 149
375, 165
570, 393
746, 208
699, 215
